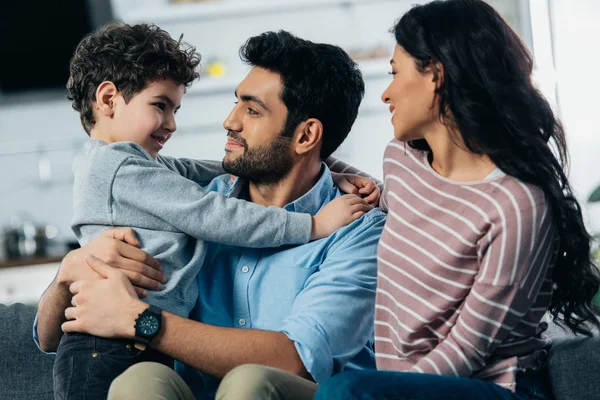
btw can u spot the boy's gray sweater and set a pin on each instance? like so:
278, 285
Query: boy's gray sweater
121, 185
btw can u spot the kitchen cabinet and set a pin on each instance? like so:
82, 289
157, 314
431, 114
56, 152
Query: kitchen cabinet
25, 284
219, 28
44, 131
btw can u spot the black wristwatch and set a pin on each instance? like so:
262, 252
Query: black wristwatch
148, 324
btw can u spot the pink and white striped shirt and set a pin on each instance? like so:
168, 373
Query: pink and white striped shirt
464, 272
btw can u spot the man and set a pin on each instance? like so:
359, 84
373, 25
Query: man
305, 310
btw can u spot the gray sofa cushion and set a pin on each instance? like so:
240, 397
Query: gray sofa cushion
25, 372
574, 365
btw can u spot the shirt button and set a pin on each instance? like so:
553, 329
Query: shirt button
245, 269
242, 321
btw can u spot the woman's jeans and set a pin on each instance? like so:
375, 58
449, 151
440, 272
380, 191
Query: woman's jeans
384, 385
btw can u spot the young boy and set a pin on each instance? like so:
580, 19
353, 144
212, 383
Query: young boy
127, 83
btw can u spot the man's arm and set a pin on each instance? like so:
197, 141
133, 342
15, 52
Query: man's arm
51, 315
217, 350
115, 246
331, 320
109, 307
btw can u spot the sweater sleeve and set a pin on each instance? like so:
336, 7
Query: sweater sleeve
340, 167
200, 171
149, 189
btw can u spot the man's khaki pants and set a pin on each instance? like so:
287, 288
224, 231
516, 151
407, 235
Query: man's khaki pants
247, 382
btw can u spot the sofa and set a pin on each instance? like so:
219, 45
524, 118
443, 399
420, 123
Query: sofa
26, 373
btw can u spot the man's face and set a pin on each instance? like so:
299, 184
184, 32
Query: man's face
256, 149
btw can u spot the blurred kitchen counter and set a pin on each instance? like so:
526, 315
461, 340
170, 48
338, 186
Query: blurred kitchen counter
26, 283
24, 279
29, 261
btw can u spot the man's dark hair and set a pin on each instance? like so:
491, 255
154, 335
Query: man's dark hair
319, 81
130, 56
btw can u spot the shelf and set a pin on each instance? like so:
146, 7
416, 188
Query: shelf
227, 9
376, 68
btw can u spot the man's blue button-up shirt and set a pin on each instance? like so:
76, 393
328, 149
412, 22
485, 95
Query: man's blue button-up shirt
321, 294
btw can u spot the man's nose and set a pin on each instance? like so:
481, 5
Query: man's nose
233, 122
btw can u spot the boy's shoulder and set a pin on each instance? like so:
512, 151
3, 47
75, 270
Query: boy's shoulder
93, 149
100, 162
99, 155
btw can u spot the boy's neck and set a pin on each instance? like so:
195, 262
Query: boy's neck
97, 133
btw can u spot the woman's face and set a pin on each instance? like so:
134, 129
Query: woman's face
411, 96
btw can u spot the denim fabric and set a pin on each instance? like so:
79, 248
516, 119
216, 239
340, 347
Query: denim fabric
388, 385
85, 365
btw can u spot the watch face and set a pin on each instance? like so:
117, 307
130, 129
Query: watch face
148, 325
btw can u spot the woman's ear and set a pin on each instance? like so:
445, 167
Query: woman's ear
105, 98
438, 75
309, 136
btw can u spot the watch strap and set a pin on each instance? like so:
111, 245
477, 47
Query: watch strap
142, 342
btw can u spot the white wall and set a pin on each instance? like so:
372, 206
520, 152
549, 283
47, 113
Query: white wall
50, 123
576, 35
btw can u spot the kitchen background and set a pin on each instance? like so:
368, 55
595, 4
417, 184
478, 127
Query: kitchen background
40, 133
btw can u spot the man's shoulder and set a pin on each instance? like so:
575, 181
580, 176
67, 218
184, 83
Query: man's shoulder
371, 220
368, 226
221, 184
374, 216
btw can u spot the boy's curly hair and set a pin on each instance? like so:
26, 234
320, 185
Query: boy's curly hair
130, 56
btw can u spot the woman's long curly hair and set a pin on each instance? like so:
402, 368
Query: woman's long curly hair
487, 94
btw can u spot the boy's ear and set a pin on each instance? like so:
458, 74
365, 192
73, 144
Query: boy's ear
105, 98
309, 136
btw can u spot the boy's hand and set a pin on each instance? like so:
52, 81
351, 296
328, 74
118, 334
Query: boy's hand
338, 213
118, 248
358, 185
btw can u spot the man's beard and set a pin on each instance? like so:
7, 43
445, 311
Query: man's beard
262, 165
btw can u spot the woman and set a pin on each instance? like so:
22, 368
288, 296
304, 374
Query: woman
483, 234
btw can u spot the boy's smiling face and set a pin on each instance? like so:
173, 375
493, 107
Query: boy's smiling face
148, 119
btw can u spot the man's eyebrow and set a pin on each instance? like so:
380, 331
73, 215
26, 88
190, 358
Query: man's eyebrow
248, 97
167, 100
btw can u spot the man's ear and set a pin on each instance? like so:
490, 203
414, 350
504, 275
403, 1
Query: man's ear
309, 136
106, 98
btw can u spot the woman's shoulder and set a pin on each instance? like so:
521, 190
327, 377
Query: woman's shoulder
399, 153
512, 202
520, 191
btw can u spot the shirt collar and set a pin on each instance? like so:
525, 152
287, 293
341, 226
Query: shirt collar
311, 202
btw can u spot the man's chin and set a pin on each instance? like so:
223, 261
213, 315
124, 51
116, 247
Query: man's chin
229, 165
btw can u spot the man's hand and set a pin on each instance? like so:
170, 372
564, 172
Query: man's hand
106, 307
119, 249
358, 185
